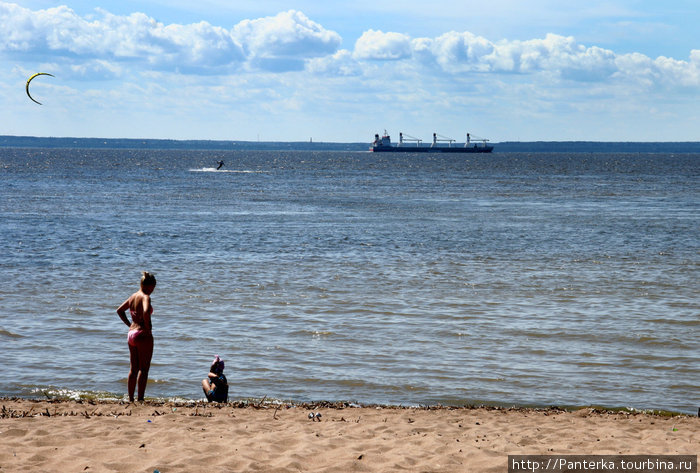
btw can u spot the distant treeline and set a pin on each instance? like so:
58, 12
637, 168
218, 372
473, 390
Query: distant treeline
598, 147
505, 147
132, 143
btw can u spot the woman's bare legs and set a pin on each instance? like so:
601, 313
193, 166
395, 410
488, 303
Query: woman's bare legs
133, 371
140, 358
145, 355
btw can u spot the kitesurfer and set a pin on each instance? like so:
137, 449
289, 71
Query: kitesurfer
221, 163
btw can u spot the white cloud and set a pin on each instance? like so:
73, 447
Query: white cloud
377, 45
464, 52
97, 69
681, 73
662, 72
279, 43
59, 32
284, 41
340, 64
455, 51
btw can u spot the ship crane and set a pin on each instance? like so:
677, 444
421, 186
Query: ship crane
469, 139
418, 141
442, 138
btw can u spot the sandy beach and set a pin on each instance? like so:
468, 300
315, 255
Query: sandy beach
103, 436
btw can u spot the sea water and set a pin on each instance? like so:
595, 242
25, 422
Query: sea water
507, 279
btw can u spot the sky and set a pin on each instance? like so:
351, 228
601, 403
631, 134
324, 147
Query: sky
341, 71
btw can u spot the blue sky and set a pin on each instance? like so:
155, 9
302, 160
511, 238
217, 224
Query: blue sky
625, 70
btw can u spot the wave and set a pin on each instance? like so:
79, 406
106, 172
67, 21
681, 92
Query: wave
237, 171
5, 333
76, 395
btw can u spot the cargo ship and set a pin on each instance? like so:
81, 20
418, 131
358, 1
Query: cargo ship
409, 144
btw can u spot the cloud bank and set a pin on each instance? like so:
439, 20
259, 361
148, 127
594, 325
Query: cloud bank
290, 41
463, 52
273, 42
288, 74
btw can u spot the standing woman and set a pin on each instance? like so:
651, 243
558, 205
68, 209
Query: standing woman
140, 337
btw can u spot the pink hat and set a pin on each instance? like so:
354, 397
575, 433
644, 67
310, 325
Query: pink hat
217, 364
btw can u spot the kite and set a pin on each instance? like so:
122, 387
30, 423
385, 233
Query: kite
30, 79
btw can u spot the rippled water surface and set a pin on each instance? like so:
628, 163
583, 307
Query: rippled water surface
528, 279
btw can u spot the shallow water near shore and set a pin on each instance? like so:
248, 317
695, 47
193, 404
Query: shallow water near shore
512, 279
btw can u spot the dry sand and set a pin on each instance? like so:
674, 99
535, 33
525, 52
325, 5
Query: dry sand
70, 436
